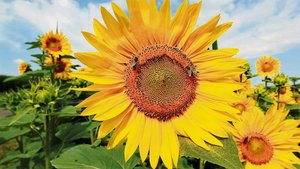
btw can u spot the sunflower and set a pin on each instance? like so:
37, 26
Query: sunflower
157, 80
285, 96
24, 67
267, 66
267, 141
244, 104
63, 66
56, 44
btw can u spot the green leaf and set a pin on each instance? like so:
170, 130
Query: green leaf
30, 150
39, 55
67, 112
26, 119
226, 156
183, 164
86, 157
26, 75
20, 113
12, 132
68, 57
35, 44
293, 106
297, 166
69, 131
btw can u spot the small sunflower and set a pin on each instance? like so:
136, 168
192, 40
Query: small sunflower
285, 96
56, 44
267, 66
244, 104
62, 69
24, 67
156, 79
267, 141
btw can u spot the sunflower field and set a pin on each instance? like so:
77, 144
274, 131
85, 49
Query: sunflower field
156, 92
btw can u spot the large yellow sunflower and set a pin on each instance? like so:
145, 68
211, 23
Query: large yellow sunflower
62, 69
267, 141
156, 79
56, 44
267, 66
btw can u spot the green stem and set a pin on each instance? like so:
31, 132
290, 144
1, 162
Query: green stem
201, 164
47, 142
278, 97
266, 82
23, 161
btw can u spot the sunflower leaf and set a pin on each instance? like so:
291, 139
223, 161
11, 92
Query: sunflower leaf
293, 106
86, 157
226, 156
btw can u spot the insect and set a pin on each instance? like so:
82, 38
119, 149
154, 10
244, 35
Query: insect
191, 71
245, 141
135, 62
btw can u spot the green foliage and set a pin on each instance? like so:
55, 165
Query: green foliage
86, 157
226, 156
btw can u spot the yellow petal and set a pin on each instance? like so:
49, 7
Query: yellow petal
145, 142
122, 131
109, 113
155, 143
108, 125
200, 31
102, 47
165, 151
211, 55
105, 104
99, 96
134, 136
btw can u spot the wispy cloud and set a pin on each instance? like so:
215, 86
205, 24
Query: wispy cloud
261, 27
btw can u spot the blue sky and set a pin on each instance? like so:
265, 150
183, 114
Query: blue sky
261, 27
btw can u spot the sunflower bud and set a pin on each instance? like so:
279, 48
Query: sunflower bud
280, 80
44, 92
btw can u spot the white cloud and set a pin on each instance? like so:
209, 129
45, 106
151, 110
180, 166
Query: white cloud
263, 27
18, 61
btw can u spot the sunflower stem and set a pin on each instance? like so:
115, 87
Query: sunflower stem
47, 141
201, 164
266, 82
215, 45
278, 96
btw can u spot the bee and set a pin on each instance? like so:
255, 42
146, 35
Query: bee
191, 71
135, 62
245, 141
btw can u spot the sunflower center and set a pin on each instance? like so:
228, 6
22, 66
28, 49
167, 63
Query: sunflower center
256, 149
160, 82
241, 107
267, 67
283, 90
61, 66
53, 44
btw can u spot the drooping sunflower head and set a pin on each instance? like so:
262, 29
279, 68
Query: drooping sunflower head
157, 79
267, 141
23, 67
63, 66
56, 44
267, 66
